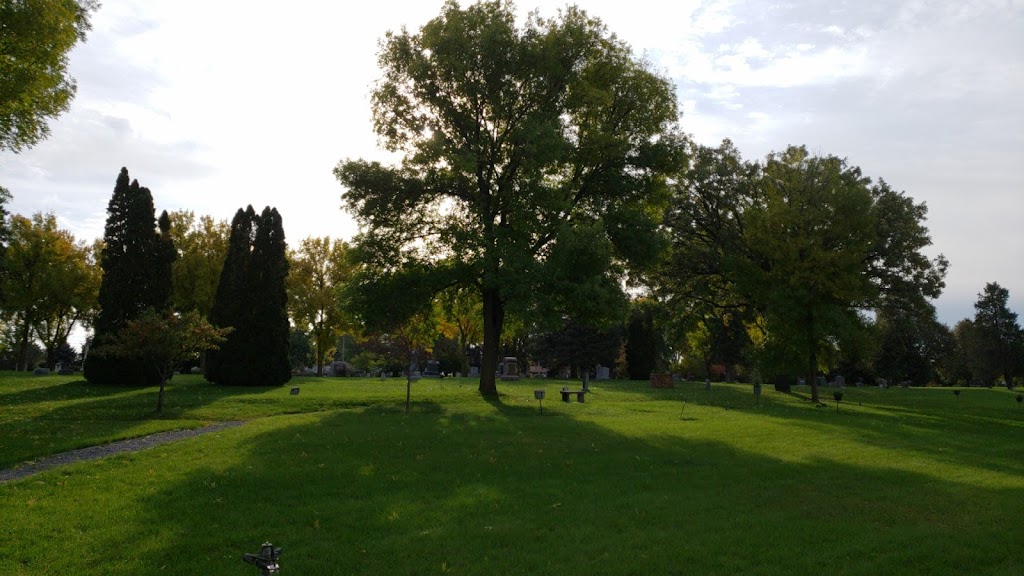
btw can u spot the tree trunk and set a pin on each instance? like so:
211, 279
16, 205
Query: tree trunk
494, 317
812, 373
23, 341
160, 397
51, 358
408, 382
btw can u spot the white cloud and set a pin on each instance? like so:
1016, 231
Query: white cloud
216, 105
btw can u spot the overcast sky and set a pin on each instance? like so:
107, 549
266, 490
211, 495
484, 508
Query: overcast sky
215, 105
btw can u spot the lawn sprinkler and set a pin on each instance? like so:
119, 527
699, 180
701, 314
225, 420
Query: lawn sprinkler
539, 395
266, 560
839, 398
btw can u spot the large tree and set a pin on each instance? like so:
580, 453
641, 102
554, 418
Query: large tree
202, 244
74, 302
51, 286
252, 299
999, 336
137, 259
317, 271
800, 244
36, 37
912, 344
525, 149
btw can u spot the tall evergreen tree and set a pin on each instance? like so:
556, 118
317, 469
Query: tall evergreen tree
252, 298
136, 262
644, 345
999, 335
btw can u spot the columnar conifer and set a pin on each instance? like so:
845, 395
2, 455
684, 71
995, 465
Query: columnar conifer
136, 261
252, 298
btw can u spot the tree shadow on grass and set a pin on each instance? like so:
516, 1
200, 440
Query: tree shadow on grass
377, 492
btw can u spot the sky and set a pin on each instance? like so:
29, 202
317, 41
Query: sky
216, 105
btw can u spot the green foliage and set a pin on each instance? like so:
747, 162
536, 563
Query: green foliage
645, 345
36, 37
800, 246
252, 298
317, 272
999, 339
202, 245
5, 236
579, 345
162, 342
136, 259
51, 285
534, 164
912, 344
366, 361
300, 349
461, 319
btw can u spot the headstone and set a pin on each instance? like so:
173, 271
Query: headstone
839, 381
603, 373
41, 372
474, 371
510, 368
433, 368
564, 373
415, 375
801, 382
195, 370
458, 374
295, 391
707, 384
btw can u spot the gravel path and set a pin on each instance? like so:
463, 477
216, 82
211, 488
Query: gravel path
94, 452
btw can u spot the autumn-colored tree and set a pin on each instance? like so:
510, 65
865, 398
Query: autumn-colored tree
317, 271
202, 244
51, 283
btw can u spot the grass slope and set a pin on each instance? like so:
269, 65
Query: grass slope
631, 482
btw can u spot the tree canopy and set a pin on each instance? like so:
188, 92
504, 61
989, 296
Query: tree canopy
317, 271
534, 158
36, 37
52, 285
137, 258
801, 245
202, 244
163, 341
252, 299
999, 339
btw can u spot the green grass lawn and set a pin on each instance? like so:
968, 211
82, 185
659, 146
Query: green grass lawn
631, 482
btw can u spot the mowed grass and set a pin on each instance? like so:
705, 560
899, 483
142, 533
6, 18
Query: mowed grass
634, 481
